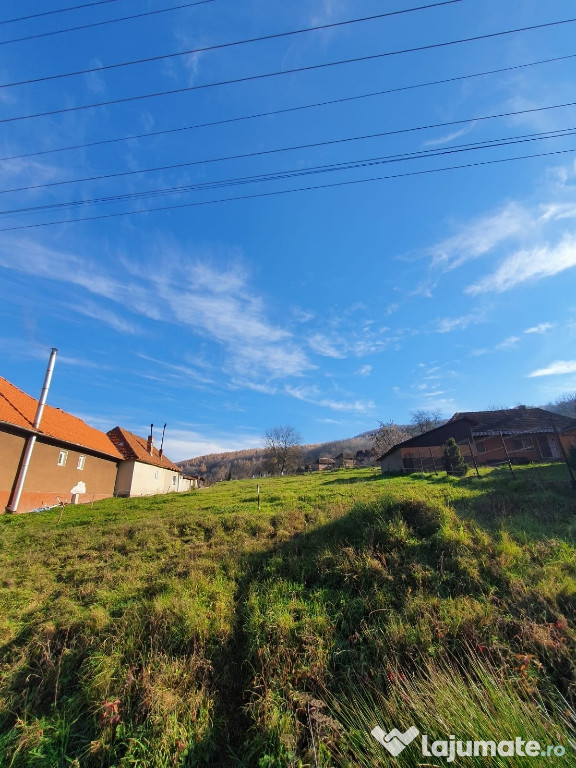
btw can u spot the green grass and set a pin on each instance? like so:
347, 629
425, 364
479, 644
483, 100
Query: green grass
195, 630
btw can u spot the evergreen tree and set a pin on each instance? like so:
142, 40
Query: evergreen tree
454, 463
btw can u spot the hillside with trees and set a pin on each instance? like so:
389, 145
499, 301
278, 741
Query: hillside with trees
252, 462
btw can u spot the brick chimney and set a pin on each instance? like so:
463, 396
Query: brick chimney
150, 444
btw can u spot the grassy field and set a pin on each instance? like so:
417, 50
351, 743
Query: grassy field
197, 630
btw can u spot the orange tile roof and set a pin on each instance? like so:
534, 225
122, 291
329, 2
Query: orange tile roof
19, 409
134, 448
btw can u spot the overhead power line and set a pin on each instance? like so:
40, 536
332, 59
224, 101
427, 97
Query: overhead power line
293, 173
278, 150
316, 105
276, 193
103, 23
57, 10
128, 99
221, 46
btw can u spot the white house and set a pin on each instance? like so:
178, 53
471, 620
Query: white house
145, 470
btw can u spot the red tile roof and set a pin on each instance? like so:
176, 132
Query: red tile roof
134, 448
19, 409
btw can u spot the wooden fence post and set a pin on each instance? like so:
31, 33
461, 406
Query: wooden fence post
507, 456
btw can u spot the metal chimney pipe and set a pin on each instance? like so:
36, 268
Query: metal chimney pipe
23, 471
45, 388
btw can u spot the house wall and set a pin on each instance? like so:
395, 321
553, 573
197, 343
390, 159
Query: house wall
124, 478
536, 448
138, 479
487, 450
344, 463
45, 480
392, 463
11, 447
568, 440
430, 458
187, 483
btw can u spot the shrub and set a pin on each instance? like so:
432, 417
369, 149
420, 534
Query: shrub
453, 460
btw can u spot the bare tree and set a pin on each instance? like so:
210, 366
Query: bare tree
424, 421
283, 449
387, 436
564, 405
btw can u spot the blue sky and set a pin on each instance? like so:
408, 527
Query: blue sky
363, 299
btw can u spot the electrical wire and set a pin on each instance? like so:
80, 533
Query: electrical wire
313, 106
273, 151
129, 18
103, 23
292, 173
221, 46
276, 193
58, 10
262, 76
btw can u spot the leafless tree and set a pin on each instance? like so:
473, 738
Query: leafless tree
564, 405
387, 436
424, 421
283, 450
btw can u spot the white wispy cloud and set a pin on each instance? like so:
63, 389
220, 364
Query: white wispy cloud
181, 444
446, 139
351, 342
525, 241
95, 82
559, 368
26, 171
31, 257
448, 324
540, 328
481, 236
326, 11
326, 347
303, 315
219, 303
528, 265
216, 303
508, 343
185, 372
316, 397
102, 315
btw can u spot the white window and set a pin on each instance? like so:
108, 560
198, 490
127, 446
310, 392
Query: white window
155, 474
62, 456
81, 462
173, 479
